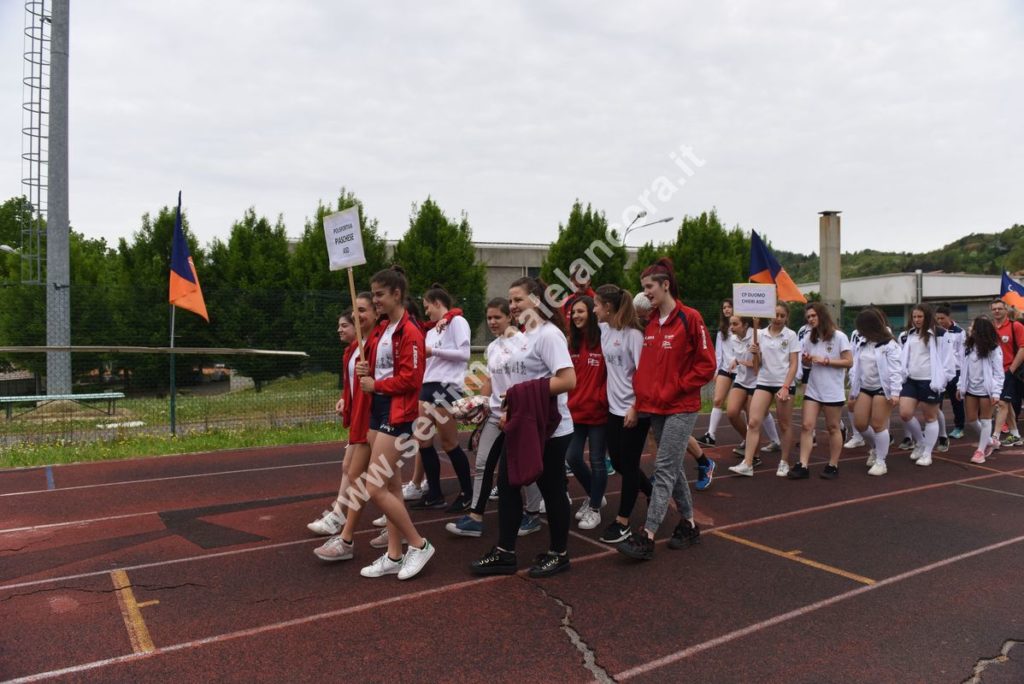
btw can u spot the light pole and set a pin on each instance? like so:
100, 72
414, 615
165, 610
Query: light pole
630, 228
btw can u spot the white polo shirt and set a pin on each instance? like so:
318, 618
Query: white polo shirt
741, 348
621, 349
826, 383
775, 356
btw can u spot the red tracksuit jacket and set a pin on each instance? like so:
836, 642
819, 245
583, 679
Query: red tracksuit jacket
677, 359
404, 386
588, 402
356, 413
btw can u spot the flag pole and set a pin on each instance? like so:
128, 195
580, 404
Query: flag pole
355, 314
174, 430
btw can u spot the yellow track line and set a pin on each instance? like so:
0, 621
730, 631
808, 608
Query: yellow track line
138, 633
792, 555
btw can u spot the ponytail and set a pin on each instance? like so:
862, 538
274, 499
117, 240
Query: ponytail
621, 301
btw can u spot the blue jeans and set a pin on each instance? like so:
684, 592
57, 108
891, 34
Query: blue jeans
595, 478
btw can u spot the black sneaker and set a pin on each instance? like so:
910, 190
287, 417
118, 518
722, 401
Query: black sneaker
638, 545
798, 472
548, 564
942, 445
685, 534
906, 445
615, 533
495, 562
426, 503
707, 440
757, 461
830, 472
460, 505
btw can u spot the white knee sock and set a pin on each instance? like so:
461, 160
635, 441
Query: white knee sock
942, 424
984, 427
931, 435
716, 418
881, 440
914, 430
770, 429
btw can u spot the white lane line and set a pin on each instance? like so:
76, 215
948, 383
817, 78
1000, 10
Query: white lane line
71, 523
989, 489
805, 610
170, 477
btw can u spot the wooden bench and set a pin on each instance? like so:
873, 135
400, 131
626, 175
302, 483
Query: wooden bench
43, 399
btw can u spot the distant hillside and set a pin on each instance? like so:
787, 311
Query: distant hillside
987, 253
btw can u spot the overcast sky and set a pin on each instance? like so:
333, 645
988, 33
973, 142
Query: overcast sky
908, 117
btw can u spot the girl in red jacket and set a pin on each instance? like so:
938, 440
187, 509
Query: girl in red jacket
588, 405
677, 359
354, 409
392, 375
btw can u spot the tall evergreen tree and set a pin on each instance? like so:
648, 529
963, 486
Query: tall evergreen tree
437, 249
584, 242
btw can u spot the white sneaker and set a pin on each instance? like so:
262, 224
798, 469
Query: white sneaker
381, 540
328, 524
771, 448
412, 492
415, 559
335, 549
872, 458
382, 521
878, 468
917, 452
584, 507
590, 519
925, 460
742, 469
494, 494
854, 442
782, 470
382, 566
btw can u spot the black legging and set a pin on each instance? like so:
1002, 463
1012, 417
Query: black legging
488, 477
625, 447
552, 485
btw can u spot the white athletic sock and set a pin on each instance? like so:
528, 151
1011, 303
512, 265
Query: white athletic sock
868, 434
716, 418
984, 432
1015, 432
881, 440
931, 435
770, 429
942, 424
914, 430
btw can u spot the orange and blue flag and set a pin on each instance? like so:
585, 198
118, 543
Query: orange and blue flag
185, 290
765, 268
1012, 292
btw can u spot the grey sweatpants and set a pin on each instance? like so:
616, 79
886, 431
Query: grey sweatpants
672, 433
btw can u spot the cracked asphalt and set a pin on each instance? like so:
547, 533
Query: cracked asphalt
914, 577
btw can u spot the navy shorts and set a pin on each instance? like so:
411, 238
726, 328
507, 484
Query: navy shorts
920, 390
448, 393
878, 392
748, 390
1011, 392
775, 390
380, 412
825, 403
726, 374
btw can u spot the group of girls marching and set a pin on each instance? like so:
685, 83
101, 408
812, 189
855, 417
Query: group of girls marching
607, 384
757, 368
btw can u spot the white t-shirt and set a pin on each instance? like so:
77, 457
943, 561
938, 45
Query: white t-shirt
868, 366
543, 353
741, 348
826, 383
920, 364
775, 356
352, 386
384, 366
449, 353
498, 355
621, 349
724, 351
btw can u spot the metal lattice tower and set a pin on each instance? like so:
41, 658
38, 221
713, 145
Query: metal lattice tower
35, 131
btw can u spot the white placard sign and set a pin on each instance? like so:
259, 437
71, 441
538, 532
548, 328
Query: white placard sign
754, 300
344, 239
